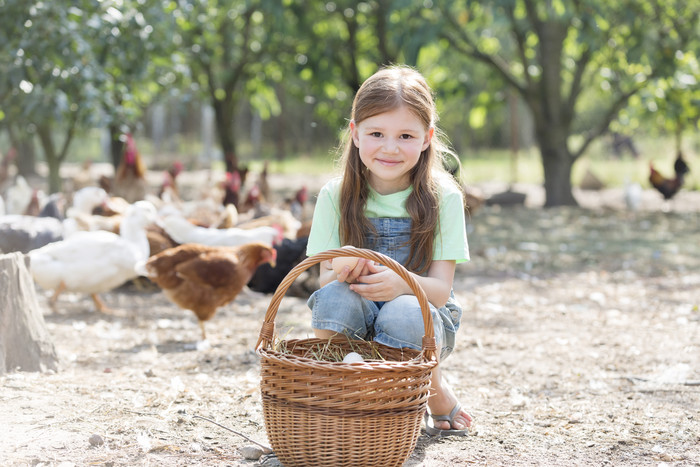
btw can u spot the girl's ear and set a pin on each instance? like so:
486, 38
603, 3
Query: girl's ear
428, 138
353, 133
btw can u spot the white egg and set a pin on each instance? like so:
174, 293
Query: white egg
353, 357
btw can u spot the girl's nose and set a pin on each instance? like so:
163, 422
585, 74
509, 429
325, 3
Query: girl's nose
391, 146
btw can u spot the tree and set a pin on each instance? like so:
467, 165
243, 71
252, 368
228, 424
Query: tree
341, 43
134, 50
555, 52
74, 65
228, 46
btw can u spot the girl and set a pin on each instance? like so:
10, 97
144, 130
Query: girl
395, 198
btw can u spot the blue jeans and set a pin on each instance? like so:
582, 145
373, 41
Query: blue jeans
397, 323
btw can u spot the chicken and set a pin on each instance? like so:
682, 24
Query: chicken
84, 176
168, 188
232, 189
668, 187
276, 217
253, 202
203, 278
632, 195
34, 206
18, 196
297, 205
268, 277
158, 239
80, 215
130, 178
183, 231
94, 262
25, 233
263, 182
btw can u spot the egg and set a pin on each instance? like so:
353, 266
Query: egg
340, 262
353, 357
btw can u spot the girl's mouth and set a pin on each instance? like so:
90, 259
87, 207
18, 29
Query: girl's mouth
388, 162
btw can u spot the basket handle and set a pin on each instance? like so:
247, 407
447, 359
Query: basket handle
268, 327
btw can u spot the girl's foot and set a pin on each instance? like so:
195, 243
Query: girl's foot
445, 410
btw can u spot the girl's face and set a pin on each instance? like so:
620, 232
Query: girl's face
390, 145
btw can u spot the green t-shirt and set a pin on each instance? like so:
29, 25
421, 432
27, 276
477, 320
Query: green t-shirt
451, 237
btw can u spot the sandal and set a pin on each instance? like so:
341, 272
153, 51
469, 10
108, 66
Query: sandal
432, 431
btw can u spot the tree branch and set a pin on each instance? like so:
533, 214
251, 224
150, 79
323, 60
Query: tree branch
609, 116
468, 47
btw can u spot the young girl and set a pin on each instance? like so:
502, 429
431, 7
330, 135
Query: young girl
394, 198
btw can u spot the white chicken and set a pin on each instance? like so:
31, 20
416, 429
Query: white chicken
79, 216
18, 196
25, 233
183, 231
95, 262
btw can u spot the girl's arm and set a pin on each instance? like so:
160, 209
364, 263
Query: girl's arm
382, 284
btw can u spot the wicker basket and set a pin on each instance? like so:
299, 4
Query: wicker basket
344, 414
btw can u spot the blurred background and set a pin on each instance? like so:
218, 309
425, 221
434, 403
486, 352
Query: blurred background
557, 93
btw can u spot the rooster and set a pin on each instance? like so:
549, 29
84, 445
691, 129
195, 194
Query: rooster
232, 189
203, 278
668, 187
130, 178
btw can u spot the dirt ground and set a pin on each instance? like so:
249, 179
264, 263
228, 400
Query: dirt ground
580, 345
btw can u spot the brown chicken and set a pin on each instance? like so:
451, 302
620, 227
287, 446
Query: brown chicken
203, 278
668, 187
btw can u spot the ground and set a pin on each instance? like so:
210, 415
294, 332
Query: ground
580, 345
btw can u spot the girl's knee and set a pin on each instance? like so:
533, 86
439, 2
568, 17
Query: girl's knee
336, 308
401, 321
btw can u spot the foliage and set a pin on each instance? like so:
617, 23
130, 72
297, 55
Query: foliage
228, 46
555, 53
74, 65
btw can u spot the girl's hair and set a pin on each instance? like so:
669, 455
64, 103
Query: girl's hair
387, 90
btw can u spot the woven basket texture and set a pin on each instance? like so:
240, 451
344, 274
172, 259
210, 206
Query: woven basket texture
330, 413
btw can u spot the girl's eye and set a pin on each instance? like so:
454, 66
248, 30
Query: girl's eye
376, 134
406, 136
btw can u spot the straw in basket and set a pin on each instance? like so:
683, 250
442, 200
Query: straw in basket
330, 413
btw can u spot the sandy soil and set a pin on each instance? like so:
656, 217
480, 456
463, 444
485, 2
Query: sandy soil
580, 345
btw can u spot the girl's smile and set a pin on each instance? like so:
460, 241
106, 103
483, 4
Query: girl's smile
390, 145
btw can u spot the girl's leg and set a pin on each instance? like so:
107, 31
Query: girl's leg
335, 309
400, 324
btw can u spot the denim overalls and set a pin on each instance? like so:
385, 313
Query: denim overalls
397, 323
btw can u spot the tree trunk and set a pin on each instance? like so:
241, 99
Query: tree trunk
25, 343
557, 164
24, 144
224, 130
552, 131
52, 158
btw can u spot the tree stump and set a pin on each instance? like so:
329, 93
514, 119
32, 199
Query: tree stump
25, 343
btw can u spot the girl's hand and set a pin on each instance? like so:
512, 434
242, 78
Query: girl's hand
351, 275
380, 284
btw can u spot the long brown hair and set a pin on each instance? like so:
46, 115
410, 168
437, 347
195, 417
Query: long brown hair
385, 91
